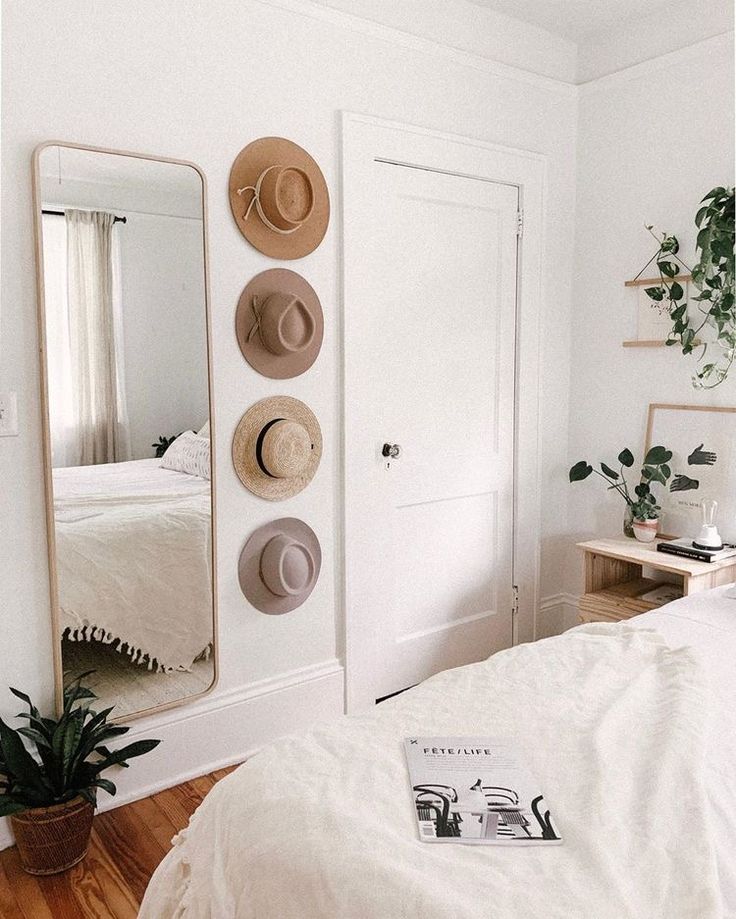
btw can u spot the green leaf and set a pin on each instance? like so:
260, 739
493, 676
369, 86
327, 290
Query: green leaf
76, 691
657, 455
21, 695
106, 785
670, 244
23, 767
655, 293
668, 268
580, 471
8, 806
99, 718
119, 757
676, 291
608, 471
32, 734
65, 744
89, 794
626, 458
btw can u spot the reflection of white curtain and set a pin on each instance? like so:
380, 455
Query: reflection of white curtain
86, 391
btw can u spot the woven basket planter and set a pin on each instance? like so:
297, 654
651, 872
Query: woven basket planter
52, 839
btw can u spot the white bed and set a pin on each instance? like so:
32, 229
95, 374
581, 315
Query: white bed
630, 728
133, 544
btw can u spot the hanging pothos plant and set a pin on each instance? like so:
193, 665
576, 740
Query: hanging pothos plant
712, 325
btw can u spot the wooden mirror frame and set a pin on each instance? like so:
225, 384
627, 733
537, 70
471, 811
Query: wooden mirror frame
46, 429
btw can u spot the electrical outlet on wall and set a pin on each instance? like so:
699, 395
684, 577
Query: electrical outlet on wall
8, 414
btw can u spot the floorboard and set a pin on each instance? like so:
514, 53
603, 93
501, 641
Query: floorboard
126, 846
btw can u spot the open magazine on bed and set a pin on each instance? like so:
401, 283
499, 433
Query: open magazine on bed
474, 790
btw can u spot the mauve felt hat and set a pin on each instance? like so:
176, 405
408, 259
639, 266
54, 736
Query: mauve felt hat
277, 447
279, 565
279, 198
279, 324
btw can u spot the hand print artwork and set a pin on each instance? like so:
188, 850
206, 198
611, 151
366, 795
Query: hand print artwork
703, 444
701, 458
684, 483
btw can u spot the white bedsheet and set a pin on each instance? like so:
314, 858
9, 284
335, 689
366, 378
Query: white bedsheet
133, 544
614, 724
706, 623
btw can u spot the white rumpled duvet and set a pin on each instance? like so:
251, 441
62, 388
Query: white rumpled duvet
321, 825
133, 548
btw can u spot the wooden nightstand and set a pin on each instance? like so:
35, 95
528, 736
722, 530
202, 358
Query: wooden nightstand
614, 578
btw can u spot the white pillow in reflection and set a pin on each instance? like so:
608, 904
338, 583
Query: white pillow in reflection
190, 453
204, 431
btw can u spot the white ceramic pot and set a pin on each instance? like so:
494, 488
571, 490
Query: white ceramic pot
646, 530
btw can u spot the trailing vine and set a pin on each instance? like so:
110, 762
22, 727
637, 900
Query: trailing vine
712, 324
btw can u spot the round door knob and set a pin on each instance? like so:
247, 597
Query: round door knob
392, 450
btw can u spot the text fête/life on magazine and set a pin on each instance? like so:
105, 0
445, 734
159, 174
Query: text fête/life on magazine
474, 790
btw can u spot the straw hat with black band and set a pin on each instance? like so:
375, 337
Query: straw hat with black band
277, 447
279, 198
279, 565
279, 324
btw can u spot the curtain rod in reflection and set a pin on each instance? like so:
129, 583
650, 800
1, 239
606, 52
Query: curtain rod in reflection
62, 214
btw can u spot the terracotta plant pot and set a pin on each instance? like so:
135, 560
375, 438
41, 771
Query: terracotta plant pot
52, 839
646, 530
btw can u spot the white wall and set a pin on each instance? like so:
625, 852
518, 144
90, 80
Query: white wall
162, 280
199, 81
652, 141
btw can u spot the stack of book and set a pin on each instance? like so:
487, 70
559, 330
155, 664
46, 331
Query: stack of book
686, 549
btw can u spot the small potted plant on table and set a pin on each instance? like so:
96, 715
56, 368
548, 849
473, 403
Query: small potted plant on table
50, 797
641, 516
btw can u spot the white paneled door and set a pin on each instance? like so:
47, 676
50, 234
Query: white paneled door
430, 326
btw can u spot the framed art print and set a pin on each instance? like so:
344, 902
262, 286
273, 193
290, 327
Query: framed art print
703, 443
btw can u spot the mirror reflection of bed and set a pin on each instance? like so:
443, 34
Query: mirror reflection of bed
129, 431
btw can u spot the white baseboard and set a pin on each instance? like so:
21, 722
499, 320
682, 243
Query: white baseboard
557, 613
222, 729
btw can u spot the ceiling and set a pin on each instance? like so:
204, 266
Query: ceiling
574, 19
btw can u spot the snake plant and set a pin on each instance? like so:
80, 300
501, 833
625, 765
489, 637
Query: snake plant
67, 754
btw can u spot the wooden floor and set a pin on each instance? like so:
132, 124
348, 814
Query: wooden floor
127, 844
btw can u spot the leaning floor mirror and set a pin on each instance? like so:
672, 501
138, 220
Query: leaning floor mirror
126, 393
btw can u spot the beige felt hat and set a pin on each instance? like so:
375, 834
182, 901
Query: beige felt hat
279, 324
279, 565
277, 447
279, 198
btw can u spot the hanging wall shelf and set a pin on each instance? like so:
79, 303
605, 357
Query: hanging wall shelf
653, 317
649, 282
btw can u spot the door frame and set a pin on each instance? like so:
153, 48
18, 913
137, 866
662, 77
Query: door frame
364, 140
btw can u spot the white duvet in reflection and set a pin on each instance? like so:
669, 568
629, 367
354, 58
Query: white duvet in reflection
133, 545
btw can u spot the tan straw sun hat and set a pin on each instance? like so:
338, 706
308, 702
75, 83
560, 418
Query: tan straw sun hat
279, 324
277, 447
279, 198
279, 565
